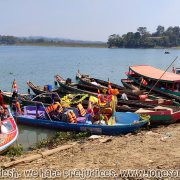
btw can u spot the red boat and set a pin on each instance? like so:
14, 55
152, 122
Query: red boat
9, 133
161, 115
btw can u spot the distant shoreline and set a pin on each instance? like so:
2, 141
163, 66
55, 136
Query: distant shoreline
60, 44
90, 45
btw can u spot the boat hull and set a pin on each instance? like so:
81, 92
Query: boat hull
163, 117
39, 90
8, 139
84, 127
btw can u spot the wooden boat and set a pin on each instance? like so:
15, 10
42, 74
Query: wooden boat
124, 123
161, 115
103, 85
69, 87
86, 79
73, 87
7, 96
40, 89
168, 85
26, 99
10, 136
152, 98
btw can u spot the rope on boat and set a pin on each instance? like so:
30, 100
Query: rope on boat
162, 75
47, 93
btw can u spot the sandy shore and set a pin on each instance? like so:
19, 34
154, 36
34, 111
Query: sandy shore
158, 148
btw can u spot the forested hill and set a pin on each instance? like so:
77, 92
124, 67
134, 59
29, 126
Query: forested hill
169, 37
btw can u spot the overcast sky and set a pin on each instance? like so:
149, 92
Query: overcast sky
85, 19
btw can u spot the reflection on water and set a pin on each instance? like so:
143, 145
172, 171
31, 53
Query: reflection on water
29, 136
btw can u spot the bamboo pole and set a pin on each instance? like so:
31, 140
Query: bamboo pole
37, 156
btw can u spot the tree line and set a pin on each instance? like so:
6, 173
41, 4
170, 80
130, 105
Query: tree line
169, 37
43, 41
10, 40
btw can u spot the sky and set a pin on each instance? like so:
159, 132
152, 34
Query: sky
92, 20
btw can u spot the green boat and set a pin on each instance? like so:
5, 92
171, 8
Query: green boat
161, 115
164, 83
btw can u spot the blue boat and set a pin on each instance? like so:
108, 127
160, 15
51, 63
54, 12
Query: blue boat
124, 123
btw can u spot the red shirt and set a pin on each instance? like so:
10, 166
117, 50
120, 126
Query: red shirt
1, 100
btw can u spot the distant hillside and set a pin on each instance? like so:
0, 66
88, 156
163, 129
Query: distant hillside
62, 40
46, 41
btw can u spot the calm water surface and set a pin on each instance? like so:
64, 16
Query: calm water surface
40, 64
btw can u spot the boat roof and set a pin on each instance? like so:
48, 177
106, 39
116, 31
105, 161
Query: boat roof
155, 73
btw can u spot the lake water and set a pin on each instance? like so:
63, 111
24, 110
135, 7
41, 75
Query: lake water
40, 64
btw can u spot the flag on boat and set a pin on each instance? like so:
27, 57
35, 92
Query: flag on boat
109, 87
14, 86
112, 91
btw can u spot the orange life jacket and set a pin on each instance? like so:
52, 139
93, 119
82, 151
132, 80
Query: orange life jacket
81, 110
72, 117
51, 108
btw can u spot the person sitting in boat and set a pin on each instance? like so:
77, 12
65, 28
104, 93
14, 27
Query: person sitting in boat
1, 99
14, 95
54, 111
5, 114
57, 113
1, 112
16, 107
13, 105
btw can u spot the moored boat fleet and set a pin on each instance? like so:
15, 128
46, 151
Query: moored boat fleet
95, 106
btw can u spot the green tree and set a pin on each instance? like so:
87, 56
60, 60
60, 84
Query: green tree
142, 30
160, 30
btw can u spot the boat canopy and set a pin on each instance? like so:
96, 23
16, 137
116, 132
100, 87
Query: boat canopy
154, 73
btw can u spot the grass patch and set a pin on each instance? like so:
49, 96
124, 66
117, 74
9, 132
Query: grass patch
59, 139
15, 151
